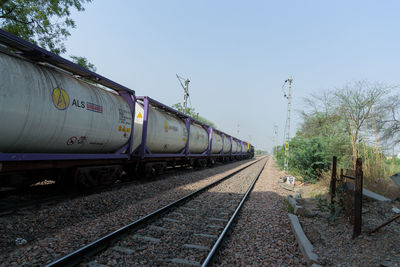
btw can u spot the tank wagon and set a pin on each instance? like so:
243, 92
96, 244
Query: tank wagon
61, 121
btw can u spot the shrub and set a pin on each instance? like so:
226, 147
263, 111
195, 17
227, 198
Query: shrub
308, 157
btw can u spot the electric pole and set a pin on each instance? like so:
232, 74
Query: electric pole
274, 139
287, 126
185, 90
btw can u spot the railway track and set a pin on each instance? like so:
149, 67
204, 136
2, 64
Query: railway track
13, 201
188, 231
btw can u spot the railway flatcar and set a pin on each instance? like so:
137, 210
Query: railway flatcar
60, 121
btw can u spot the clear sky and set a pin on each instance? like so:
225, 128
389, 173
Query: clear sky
237, 54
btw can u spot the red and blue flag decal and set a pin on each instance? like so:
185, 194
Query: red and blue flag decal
94, 107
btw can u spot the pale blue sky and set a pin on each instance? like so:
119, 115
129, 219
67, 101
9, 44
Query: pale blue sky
237, 54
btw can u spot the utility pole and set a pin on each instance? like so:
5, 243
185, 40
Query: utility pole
274, 139
238, 126
185, 90
287, 126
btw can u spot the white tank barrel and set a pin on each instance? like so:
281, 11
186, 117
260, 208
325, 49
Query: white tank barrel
216, 143
234, 146
246, 147
198, 141
165, 133
227, 144
43, 110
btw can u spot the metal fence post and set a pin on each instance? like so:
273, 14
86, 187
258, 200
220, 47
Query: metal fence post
333, 179
358, 199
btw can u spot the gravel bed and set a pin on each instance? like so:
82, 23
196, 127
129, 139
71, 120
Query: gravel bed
262, 235
58, 230
186, 234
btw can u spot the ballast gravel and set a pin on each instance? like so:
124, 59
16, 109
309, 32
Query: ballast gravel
60, 229
262, 235
183, 235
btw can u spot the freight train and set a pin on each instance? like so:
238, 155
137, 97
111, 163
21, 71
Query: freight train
63, 122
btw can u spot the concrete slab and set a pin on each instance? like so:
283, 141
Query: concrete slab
217, 219
186, 208
185, 261
146, 238
292, 201
193, 246
206, 235
375, 196
215, 226
172, 220
297, 209
304, 244
95, 264
127, 251
158, 228
368, 193
177, 213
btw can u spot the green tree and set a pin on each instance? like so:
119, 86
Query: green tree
192, 113
43, 22
83, 62
329, 125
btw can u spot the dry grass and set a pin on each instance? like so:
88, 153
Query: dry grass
376, 178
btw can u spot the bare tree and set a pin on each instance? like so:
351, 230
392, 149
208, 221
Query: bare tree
356, 102
389, 124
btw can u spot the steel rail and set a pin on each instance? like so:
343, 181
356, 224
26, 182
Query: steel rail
85, 252
222, 236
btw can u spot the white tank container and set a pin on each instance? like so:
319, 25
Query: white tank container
165, 133
234, 146
216, 143
227, 144
245, 147
43, 110
198, 141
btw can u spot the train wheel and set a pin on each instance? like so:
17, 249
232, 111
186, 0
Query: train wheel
87, 177
203, 163
83, 178
131, 171
108, 175
65, 178
211, 162
149, 170
160, 167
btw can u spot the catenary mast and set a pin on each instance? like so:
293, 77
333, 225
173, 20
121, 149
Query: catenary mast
287, 126
185, 90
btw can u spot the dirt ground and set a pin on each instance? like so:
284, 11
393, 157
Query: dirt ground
331, 233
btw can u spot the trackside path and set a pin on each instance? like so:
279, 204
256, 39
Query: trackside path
262, 235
